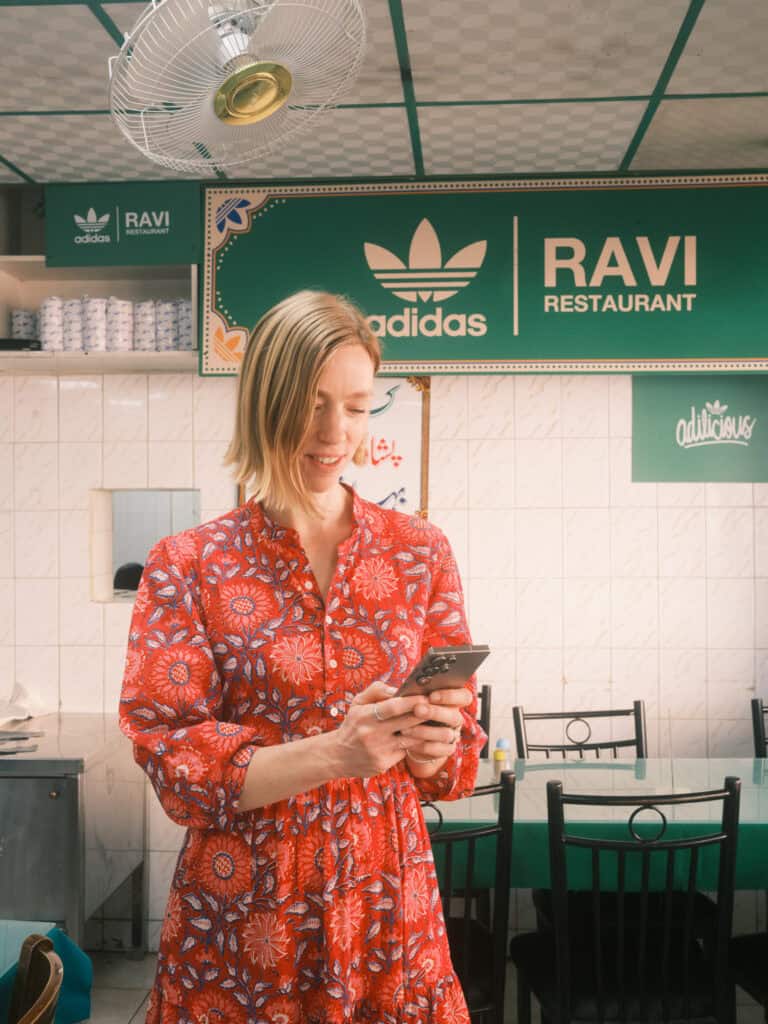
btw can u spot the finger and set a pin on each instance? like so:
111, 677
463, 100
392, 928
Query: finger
445, 734
460, 698
396, 707
375, 692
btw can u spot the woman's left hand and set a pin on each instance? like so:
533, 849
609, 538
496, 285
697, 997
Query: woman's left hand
437, 742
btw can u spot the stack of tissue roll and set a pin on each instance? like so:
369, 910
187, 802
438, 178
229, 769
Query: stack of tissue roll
108, 325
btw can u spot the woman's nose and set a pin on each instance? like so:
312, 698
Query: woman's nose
331, 426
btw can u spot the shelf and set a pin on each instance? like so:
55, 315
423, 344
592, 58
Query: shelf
33, 268
68, 363
26, 280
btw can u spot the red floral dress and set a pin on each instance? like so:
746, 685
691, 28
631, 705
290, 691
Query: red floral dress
322, 908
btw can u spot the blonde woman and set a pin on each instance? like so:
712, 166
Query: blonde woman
264, 653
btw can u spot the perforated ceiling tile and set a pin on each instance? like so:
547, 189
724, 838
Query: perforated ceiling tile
726, 51
515, 49
79, 147
705, 134
346, 143
379, 79
7, 175
53, 58
124, 16
527, 139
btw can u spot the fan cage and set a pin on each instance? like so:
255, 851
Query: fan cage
169, 117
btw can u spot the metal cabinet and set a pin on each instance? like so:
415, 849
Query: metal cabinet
72, 823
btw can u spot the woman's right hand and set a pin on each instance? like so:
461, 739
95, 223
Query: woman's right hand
367, 740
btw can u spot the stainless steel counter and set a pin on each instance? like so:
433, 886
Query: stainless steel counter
72, 822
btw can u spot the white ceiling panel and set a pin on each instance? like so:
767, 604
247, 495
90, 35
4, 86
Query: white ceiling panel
53, 58
726, 51
527, 138
706, 134
83, 147
345, 143
7, 175
501, 87
124, 16
516, 49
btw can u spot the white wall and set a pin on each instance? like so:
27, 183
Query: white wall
592, 590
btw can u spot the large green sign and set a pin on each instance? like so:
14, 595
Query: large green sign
711, 427
123, 224
504, 276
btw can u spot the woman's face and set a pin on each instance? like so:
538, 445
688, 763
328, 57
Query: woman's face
340, 417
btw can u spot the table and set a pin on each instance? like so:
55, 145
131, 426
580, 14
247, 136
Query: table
530, 853
75, 997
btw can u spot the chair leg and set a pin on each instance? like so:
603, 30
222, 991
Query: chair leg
523, 1001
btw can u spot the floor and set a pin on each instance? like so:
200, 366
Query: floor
121, 989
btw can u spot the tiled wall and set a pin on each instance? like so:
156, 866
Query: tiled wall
591, 590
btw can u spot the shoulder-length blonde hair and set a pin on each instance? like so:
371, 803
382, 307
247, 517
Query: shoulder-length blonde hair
284, 358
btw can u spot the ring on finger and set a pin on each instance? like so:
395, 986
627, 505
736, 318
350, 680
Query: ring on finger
377, 714
456, 734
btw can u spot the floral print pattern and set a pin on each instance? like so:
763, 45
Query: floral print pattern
320, 909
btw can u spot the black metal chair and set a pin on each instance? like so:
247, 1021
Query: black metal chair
760, 727
484, 713
643, 959
478, 949
37, 984
575, 739
570, 743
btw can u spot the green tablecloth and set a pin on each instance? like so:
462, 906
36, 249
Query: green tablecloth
530, 851
75, 999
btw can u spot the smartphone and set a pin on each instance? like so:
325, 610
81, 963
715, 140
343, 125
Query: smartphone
444, 668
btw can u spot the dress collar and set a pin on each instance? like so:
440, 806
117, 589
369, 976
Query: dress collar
270, 530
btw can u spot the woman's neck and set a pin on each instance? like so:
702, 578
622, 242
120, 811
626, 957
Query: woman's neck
335, 508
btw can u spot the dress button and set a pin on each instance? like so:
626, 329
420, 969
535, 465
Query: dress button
334, 712
307, 584
333, 663
328, 620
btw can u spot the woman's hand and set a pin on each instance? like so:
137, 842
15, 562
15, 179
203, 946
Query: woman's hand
431, 745
371, 738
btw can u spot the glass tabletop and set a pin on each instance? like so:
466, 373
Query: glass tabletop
642, 776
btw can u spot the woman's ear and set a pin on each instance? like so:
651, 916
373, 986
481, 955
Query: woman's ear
360, 458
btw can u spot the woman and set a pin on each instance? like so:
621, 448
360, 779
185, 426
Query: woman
263, 656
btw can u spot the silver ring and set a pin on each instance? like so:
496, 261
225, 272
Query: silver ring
376, 714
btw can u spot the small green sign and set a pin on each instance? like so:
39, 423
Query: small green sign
122, 224
703, 427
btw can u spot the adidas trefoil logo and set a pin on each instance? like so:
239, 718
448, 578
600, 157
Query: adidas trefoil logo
91, 223
426, 276
92, 228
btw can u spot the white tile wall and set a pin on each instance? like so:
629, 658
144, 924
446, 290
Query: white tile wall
589, 587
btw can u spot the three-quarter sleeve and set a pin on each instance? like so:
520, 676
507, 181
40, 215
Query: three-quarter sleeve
171, 702
446, 624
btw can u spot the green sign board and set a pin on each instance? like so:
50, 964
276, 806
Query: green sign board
122, 224
504, 276
709, 427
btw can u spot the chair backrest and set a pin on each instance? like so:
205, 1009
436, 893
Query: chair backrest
645, 944
574, 736
759, 730
37, 984
484, 713
458, 853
